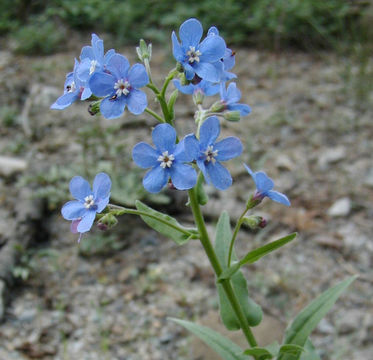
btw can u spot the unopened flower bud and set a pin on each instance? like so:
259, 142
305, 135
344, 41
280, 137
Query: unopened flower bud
144, 51
107, 222
232, 116
94, 108
255, 222
198, 97
180, 68
218, 106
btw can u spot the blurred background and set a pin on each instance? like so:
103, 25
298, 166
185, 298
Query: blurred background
306, 69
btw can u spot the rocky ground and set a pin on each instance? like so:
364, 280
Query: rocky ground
110, 297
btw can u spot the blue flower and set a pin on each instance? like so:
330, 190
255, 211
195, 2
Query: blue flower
166, 161
209, 153
92, 58
205, 87
228, 60
119, 85
264, 186
230, 98
82, 211
195, 57
74, 89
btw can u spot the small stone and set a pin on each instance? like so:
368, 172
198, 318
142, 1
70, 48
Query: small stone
2, 293
368, 179
325, 327
341, 207
350, 321
11, 165
283, 162
331, 156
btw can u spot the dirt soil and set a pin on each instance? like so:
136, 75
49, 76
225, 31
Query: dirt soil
110, 297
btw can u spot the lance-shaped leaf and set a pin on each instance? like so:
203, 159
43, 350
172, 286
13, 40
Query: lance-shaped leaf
252, 311
226, 348
310, 352
166, 225
256, 254
306, 321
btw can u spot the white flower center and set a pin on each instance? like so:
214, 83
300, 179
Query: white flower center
193, 54
210, 154
71, 88
93, 67
122, 87
88, 201
166, 159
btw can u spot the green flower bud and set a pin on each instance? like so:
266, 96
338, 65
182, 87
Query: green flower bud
107, 221
144, 51
219, 106
94, 107
254, 222
232, 116
198, 97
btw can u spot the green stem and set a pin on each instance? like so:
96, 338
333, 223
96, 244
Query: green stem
119, 210
227, 286
155, 115
235, 232
169, 77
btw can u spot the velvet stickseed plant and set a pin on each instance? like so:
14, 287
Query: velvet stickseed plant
187, 165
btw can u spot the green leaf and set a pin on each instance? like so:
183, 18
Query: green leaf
256, 254
226, 348
310, 352
171, 103
259, 353
306, 321
165, 224
252, 311
291, 349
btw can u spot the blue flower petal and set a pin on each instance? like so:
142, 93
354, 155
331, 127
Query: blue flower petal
64, 101
250, 172
108, 56
190, 33
186, 89
176, 48
118, 65
87, 221
242, 108
102, 84
164, 137
183, 177
263, 182
112, 109
212, 49
233, 94
209, 89
73, 210
155, 179
219, 175
213, 31
86, 93
136, 101
228, 148
98, 48
137, 76
83, 69
229, 59
278, 197
188, 149
79, 188
87, 52
208, 71
189, 71
144, 155
202, 166
209, 132
101, 186
101, 204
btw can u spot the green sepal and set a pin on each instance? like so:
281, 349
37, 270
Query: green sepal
306, 321
252, 311
202, 197
166, 225
273, 350
255, 255
223, 346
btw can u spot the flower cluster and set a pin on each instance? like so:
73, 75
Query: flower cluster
203, 69
107, 76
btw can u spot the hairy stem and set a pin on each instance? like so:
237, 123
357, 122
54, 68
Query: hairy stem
227, 286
